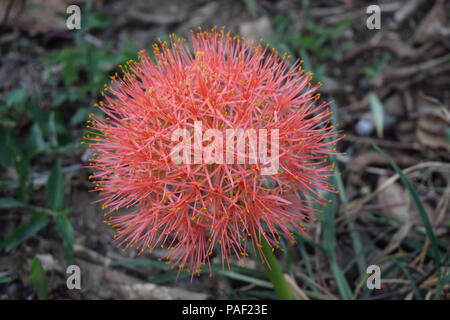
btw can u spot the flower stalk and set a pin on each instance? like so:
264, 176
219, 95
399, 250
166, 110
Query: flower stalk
274, 272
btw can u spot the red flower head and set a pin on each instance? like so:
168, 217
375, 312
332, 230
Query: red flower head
166, 148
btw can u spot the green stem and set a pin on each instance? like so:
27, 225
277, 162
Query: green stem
274, 273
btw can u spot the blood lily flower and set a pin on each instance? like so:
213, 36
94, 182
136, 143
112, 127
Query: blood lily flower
192, 207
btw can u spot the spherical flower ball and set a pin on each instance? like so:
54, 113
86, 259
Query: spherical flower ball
212, 143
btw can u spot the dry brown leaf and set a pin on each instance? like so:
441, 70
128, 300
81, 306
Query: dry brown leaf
431, 129
41, 17
394, 201
433, 22
257, 29
406, 10
369, 158
101, 282
397, 203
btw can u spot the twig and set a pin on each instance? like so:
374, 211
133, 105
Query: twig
353, 207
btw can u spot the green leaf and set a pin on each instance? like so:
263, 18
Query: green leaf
310, 42
35, 143
9, 184
36, 113
377, 113
169, 276
66, 232
54, 191
6, 157
70, 73
16, 97
95, 20
139, 263
79, 116
60, 98
25, 188
26, 230
6, 203
377, 68
337, 30
251, 6
53, 137
38, 278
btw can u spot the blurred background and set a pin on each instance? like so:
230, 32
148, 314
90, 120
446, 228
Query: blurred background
390, 89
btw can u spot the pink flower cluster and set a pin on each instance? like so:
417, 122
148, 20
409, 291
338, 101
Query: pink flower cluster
191, 208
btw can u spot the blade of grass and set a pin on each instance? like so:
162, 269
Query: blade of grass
38, 279
377, 112
414, 287
7, 203
287, 260
172, 275
261, 294
54, 191
26, 230
312, 243
139, 263
420, 208
329, 243
367, 248
245, 278
66, 231
162, 265
354, 235
169, 276
305, 259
